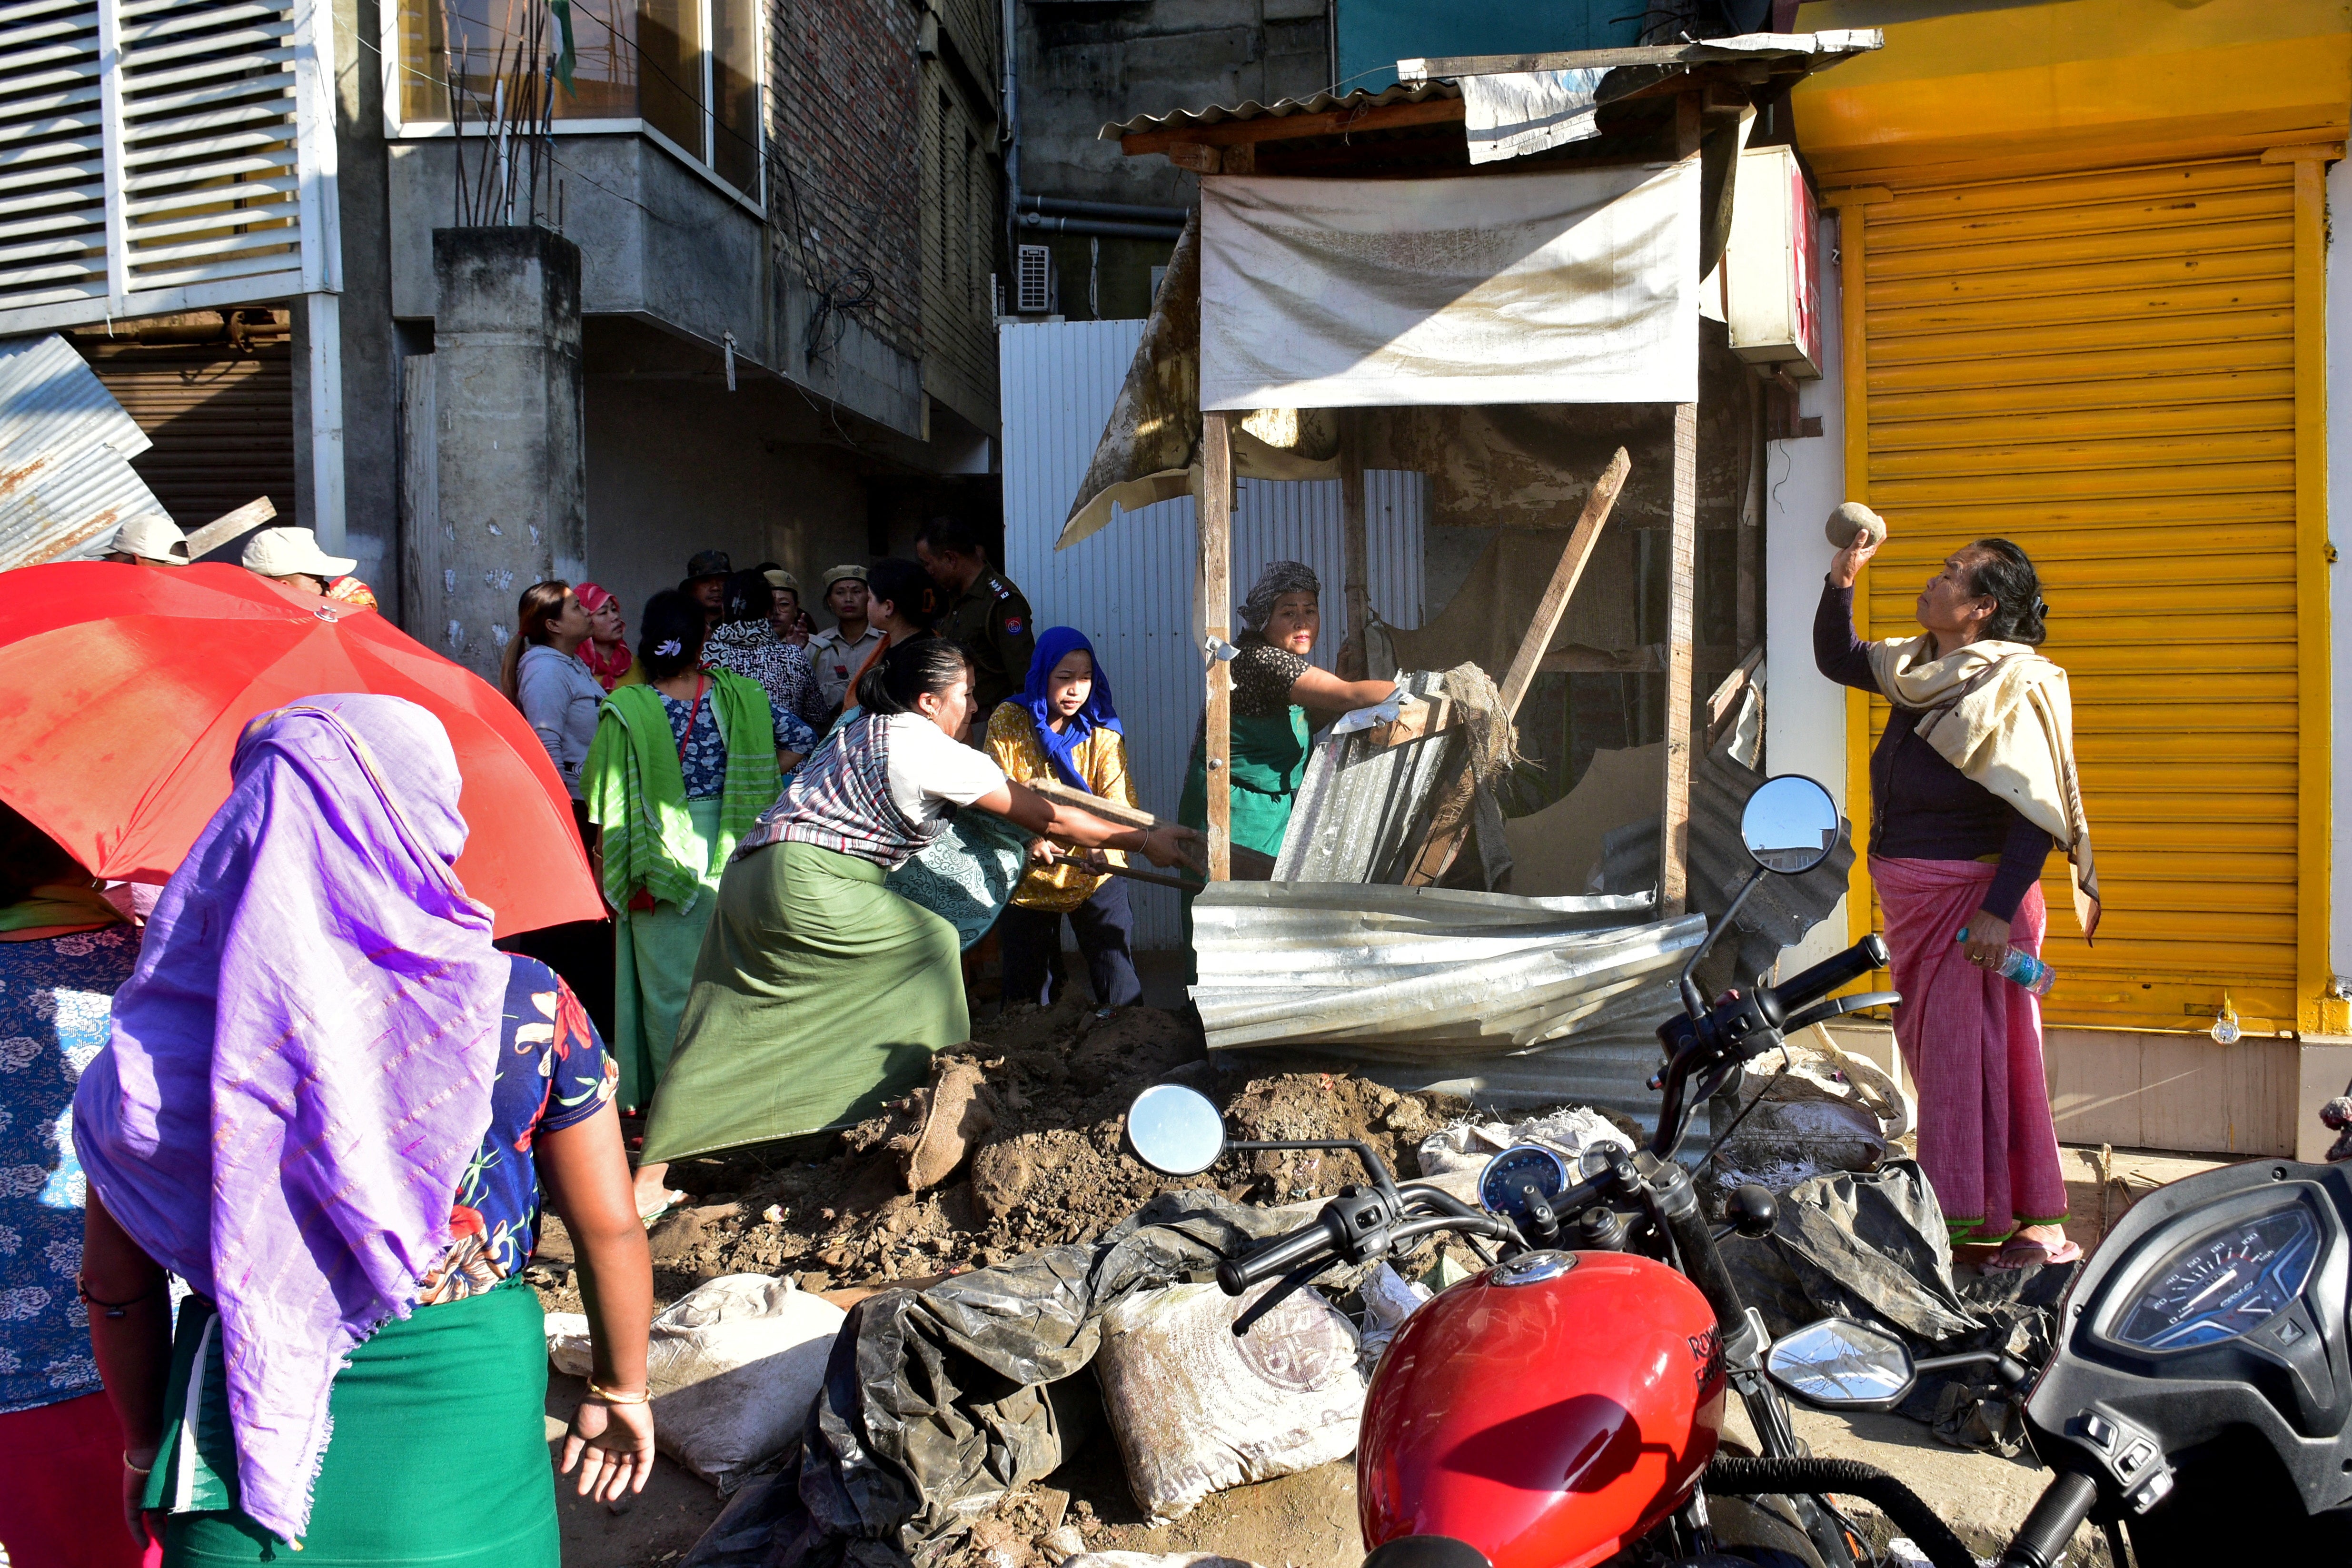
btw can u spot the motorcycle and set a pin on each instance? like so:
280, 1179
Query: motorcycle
1564, 1409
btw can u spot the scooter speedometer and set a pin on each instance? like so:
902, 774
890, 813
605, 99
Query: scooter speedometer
1503, 1187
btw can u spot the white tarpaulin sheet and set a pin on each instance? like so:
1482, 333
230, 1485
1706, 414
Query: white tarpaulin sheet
1529, 111
1567, 285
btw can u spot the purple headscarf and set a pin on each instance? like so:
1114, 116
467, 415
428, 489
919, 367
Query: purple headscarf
302, 1063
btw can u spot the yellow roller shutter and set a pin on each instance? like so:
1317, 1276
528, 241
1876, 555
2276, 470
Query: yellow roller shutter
2102, 367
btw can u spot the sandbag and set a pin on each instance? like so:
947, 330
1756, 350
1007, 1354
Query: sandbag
1197, 1408
735, 1365
1811, 1107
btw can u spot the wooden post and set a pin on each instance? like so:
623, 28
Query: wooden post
1214, 593
1354, 550
1674, 824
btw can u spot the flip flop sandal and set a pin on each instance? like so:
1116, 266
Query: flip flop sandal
662, 1205
2023, 1253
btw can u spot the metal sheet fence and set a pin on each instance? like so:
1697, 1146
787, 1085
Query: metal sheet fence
1129, 587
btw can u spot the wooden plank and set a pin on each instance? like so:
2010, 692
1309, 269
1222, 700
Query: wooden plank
1554, 603
1214, 596
228, 525
1799, 46
1682, 558
1355, 552
1296, 127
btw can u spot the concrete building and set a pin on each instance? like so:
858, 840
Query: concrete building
775, 255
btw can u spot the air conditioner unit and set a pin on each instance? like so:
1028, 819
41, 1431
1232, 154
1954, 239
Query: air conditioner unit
1033, 281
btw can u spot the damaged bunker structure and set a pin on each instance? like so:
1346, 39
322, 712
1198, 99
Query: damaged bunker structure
1495, 278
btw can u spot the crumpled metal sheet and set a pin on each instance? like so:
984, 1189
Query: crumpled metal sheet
1321, 104
65, 445
1418, 973
1358, 803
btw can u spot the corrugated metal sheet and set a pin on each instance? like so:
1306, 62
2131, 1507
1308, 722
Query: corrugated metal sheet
1358, 806
1130, 588
2102, 366
1321, 104
1426, 975
65, 445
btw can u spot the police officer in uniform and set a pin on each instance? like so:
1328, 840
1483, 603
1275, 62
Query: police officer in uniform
986, 613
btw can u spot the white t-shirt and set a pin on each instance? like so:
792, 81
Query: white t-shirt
930, 772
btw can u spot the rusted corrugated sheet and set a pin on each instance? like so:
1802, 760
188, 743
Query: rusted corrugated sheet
65, 445
1321, 104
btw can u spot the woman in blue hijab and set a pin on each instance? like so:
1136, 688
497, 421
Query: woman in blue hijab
1064, 729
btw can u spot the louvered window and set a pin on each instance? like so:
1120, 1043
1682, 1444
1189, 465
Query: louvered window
160, 155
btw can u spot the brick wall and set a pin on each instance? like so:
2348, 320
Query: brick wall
844, 126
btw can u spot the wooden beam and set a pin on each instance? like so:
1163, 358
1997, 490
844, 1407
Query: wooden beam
228, 525
1355, 552
1295, 127
1214, 596
1554, 603
1797, 46
1682, 569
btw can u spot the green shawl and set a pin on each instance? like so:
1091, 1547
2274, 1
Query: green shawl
637, 791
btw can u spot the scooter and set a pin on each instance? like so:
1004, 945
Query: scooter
1565, 1407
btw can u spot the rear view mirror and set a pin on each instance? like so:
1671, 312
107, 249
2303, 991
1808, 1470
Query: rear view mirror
1175, 1130
1790, 824
1841, 1364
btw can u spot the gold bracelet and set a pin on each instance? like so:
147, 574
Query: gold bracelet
146, 1469
598, 1392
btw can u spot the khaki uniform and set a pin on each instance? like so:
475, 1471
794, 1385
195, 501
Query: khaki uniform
837, 661
993, 622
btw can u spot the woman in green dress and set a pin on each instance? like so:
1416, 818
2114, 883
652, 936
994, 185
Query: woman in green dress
678, 773
1274, 686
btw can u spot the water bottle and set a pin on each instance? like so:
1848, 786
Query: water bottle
2022, 967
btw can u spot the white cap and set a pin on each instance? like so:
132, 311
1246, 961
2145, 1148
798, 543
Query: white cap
151, 536
283, 551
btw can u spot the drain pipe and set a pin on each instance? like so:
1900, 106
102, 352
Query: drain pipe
1010, 92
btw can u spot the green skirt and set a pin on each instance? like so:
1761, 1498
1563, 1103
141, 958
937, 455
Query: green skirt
820, 994
439, 1453
652, 967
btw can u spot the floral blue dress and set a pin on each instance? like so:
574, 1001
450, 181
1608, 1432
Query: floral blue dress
56, 1010
554, 1072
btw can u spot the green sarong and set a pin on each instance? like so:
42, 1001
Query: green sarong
820, 994
652, 967
1269, 761
439, 1453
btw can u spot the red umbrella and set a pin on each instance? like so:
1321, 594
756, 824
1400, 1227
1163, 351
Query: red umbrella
123, 688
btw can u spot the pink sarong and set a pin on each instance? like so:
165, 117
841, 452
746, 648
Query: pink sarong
1972, 1043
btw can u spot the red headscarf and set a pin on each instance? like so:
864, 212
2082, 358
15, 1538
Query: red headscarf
606, 663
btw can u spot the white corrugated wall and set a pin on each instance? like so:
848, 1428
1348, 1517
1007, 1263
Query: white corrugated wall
1129, 587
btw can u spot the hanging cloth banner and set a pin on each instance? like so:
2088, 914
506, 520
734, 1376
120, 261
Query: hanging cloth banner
1569, 286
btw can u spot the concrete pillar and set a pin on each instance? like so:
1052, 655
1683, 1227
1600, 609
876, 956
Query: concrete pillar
507, 426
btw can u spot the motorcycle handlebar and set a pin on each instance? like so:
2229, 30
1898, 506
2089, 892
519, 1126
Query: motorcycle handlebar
1303, 1245
1276, 1258
1805, 989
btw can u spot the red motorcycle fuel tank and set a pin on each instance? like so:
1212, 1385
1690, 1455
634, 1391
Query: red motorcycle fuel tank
1548, 1412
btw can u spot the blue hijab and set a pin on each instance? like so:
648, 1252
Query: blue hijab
1097, 713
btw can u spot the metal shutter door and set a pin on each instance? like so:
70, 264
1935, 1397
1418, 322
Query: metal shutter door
2101, 367
223, 423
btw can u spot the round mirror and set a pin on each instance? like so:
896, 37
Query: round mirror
1175, 1130
1790, 824
1841, 1361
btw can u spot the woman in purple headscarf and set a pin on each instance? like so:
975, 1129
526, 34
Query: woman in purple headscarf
327, 1106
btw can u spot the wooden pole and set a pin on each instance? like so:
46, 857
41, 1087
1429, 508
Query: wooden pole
1355, 550
1554, 603
1214, 593
1674, 823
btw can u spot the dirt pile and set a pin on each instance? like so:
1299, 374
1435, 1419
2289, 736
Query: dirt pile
1040, 1107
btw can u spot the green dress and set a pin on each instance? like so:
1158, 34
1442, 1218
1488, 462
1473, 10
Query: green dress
1269, 751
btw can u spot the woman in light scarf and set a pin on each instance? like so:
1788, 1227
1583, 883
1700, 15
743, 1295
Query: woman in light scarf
1970, 787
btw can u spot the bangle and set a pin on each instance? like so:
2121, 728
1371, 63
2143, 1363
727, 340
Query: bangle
145, 1469
604, 1395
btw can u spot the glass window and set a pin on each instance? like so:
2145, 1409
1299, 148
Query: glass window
665, 62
